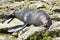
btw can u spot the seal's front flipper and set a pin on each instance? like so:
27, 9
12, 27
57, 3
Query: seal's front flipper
18, 28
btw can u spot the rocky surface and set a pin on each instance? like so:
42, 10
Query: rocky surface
52, 7
4, 38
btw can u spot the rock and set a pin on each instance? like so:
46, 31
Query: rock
4, 38
16, 4
25, 34
56, 8
11, 24
37, 4
55, 16
48, 1
55, 24
15, 34
54, 28
58, 38
1, 20
4, 1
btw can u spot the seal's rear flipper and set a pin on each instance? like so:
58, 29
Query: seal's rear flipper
18, 28
10, 20
3, 21
8, 17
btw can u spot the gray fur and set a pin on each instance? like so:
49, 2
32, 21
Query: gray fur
33, 16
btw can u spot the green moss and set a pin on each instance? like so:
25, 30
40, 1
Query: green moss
8, 35
43, 36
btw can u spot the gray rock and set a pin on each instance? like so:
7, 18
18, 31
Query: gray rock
55, 16
56, 8
11, 24
37, 4
55, 24
4, 38
4, 1
48, 1
58, 38
24, 34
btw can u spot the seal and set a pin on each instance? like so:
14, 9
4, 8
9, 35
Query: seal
31, 17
